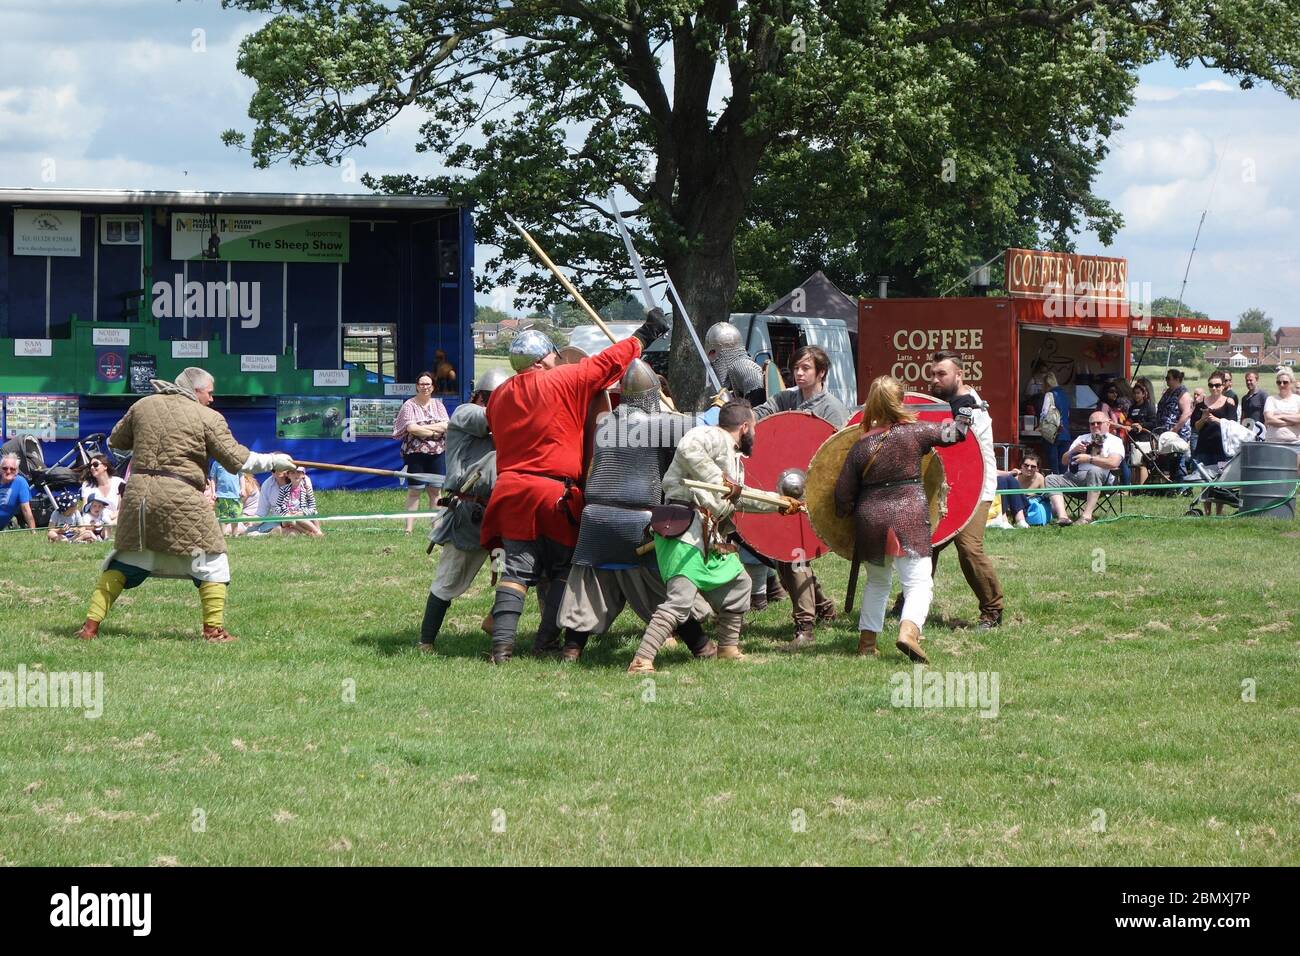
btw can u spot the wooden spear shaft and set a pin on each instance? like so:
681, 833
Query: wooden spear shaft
423, 477
564, 280
754, 494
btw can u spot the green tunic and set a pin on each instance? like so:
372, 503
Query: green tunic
676, 557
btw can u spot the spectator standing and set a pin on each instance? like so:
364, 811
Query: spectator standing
1281, 412
1205, 420
224, 487
421, 427
1142, 423
1252, 405
15, 494
1055, 399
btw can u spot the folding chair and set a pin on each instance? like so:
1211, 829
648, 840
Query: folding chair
1110, 504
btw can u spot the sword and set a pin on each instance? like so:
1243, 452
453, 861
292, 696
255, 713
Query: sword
695, 336
649, 297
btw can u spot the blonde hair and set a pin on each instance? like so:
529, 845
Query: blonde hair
884, 405
1050, 380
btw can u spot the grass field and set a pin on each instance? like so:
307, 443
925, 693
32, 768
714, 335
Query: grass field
322, 737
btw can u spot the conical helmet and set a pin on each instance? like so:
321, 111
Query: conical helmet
640, 387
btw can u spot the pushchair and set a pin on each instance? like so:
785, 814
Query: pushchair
1215, 494
46, 482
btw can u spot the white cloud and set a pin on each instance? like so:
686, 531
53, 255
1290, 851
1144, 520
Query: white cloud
1216, 86
1160, 158
1150, 92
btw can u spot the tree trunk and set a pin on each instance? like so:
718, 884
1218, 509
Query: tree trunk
707, 282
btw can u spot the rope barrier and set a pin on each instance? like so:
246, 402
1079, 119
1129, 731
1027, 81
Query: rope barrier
1160, 487
284, 519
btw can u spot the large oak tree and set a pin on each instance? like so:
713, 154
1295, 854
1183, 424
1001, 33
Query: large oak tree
898, 136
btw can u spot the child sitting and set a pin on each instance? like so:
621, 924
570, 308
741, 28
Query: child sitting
297, 499
94, 521
250, 498
67, 518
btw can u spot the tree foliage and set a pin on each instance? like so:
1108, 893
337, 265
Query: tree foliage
1254, 320
753, 142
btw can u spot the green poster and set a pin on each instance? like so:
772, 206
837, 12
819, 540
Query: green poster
309, 416
254, 237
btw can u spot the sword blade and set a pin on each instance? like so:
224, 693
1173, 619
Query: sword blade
632, 254
695, 336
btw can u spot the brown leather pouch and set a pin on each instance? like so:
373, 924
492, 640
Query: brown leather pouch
671, 521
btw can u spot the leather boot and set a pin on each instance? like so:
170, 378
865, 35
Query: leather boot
487, 623
574, 644
89, 631
775, 592
909, 642
217, 635
802, 638
867, 644
671, 642
547, 646
708, 652
641, 665
826, 612
502, 651
729, 636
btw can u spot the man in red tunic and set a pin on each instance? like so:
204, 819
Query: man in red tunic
537, 417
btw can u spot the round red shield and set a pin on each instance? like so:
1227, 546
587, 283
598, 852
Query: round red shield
784, 441
963, 468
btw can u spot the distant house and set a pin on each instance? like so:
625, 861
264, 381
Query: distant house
485, 333
1243, 350
1288, 344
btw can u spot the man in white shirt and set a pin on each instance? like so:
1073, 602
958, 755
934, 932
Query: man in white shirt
1088, 463
947, 377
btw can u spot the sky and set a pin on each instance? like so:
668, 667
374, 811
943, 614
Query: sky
135, 94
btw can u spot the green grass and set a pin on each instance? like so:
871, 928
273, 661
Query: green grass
1120, 693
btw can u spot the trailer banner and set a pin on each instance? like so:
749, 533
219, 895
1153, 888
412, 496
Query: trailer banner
259, 237
1033, 272
1159, 327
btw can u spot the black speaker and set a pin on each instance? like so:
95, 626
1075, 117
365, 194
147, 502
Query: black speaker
448, 259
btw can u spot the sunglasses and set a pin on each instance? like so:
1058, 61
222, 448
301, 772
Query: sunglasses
1216, 385
1091, 424
8, 470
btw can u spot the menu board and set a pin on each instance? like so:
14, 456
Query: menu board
373, 417
48, 417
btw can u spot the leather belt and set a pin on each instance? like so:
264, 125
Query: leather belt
202, 486
892, 484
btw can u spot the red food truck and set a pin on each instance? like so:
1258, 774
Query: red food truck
1066, 314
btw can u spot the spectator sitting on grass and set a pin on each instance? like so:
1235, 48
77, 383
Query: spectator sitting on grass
15, 494
250, 497
67, 518
296, 499
1028, 476
1088, 464
98, 479
94, 525
267, 497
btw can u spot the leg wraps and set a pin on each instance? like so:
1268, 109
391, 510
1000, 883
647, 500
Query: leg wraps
108, 588
435, 609
213, 598
728, 628
506, 610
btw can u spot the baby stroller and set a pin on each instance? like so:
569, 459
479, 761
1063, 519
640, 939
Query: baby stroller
47, 482
1215, 495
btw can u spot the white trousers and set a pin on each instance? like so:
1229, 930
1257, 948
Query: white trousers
918, 592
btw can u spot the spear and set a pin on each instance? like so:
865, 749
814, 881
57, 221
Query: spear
753, 494
423, 478
564, 280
